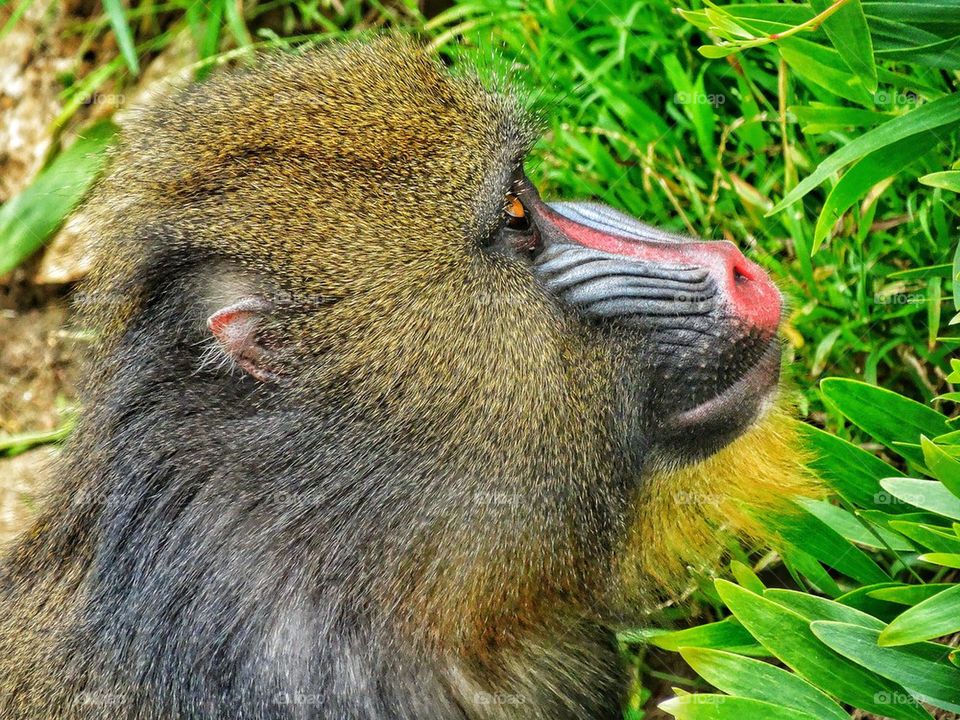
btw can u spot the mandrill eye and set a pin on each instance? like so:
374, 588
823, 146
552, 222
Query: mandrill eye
515, 214
516, 234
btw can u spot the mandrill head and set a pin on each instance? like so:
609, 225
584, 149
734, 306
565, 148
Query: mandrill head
339, 262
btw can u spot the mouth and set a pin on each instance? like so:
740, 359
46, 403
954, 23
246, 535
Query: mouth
740, 403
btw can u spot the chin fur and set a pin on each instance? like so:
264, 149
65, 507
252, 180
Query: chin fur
687, 516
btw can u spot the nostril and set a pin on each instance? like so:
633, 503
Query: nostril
751, 294
741, 274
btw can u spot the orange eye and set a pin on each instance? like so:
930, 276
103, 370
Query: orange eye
514, 208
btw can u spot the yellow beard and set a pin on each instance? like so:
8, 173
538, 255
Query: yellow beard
686, 516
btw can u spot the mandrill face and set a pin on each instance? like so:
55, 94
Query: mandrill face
694, 323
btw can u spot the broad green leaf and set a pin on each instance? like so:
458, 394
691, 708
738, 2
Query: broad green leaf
951, 560
851, 471
787, 635
948, 180
816, 608
848, 31
723, 21
725, 634
921, 668
746, 576
28, 219
800, 563
886, 520
943, 467
702, 706
743, 677
925, 494
899, 41
932, 618
931, 117
863, 175
823, 66
909, 594
853, 529
942, 15
118, 21
862, 599
715, 52
888, 417
763, 19
818, 539
927, 536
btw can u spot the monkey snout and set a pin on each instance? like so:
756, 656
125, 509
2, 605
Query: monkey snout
608, 264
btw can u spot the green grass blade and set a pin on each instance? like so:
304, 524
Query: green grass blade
31, 217
121, 29
849, 34
931, 117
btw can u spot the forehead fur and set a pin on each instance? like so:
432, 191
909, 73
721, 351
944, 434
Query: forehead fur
340, 146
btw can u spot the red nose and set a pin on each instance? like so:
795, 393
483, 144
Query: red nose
749, 292
745, 289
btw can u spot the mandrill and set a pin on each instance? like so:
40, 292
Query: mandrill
371, 430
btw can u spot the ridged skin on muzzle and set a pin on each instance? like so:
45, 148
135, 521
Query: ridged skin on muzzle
604, 286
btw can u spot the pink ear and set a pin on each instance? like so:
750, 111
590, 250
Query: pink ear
235, 328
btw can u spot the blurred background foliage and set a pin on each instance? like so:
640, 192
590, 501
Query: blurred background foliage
819, 136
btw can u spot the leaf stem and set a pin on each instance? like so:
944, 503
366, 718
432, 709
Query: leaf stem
811, 24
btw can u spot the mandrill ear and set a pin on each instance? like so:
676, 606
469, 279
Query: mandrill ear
238, 329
